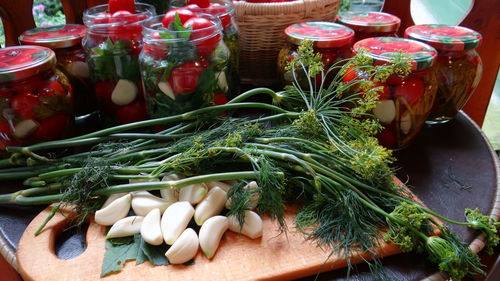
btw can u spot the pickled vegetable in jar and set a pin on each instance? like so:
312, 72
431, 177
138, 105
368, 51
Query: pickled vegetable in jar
333, 41
36, 101
224, 10
184, 64
370, 24
66, 42
404, 103
458, 66
112, 46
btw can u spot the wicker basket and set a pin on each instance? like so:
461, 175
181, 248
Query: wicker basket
261, 33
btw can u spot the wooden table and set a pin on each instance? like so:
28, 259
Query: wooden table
451, 167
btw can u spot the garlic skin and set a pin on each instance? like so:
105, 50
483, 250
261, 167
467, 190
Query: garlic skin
116, 210
223, 185
151, 229
211, 206
125, 227
112, 198
170, 194
211, 233
254, 199
184, 248
143, 202
193, 193
175, 220
252, 227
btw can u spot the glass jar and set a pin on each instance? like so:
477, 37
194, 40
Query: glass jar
112, 46
333, 41
458, 66
404, 103
224, 10
36, 101
183, 70
370, 24
66, 42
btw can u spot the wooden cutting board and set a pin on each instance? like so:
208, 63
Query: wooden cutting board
272, 257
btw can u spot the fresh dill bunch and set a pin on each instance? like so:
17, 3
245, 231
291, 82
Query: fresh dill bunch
486, 224
308, 124
453, 256
233, 140
239, 197
406, 237
307, 58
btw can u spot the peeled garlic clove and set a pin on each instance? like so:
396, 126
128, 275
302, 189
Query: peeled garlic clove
210, 234
254, 199
165, 88
112, 198
170, 194
124, 92
193, 193
125, 227
151, 229
222, 81
385, 111
143, 202
252, 227
113, 212
184, 248
405, 123
211, 206
223, 185
79, 69
24, 128
175, 220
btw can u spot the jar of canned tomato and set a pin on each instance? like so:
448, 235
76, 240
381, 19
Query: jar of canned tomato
36, 101
184, 65
333, 41
459, 67
66, 42
112, 46
370, 24
404, 103
224, 10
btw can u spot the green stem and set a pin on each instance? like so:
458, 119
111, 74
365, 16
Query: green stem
47, 219
253, 92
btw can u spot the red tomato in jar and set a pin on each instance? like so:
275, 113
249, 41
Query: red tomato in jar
184, 15
201, 29
5, 135
52, 87
25, 104
102, 18
200, 3
386, 138
121, 5
132, 112
412, 89
184, 78
103, 91
385, 93
52, 128
350, 74
220, 98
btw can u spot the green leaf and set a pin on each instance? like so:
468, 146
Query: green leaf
166, 35
153, 254
117, 255
178, 26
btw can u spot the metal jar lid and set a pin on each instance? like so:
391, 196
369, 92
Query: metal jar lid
323, 34
60, 36
383, 49
21, 62
369, 21
445, 37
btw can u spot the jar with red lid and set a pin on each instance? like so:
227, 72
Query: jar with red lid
370, 24
404, 103
333, 41
66, 42
112, 46
224, 10
184, 68
36, 101
458, 66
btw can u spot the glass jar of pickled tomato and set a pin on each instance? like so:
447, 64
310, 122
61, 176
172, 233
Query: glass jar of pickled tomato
333, 41
370, 24
183, 64
36, 101
224, 10
66, 42
112, 46
404, 103
458, 66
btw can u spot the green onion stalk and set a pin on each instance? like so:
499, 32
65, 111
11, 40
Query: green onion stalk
314, 147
